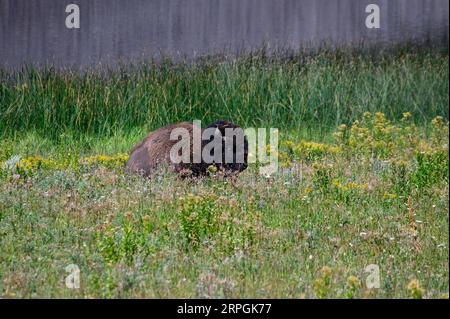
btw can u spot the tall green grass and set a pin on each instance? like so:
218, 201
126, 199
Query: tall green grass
291, 92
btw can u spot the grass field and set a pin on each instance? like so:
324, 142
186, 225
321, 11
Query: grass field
363, 180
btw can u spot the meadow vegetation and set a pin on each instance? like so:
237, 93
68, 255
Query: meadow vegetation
363, 180
303, 91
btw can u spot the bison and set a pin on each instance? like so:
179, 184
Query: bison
221, 145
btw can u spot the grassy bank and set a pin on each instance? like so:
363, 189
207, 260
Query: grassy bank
319, 90
363, 180
376, 194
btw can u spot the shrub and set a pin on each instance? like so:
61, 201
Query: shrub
348, 191
400, 178
432, 167
125, 241
110, 161
353, 284
309, 151
415, 290
322, 177
27, 166
209, 219
376, 136
322, 284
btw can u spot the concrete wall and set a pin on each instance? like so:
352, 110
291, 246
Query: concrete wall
34, 30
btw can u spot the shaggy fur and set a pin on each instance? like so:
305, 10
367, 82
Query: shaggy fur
154, 151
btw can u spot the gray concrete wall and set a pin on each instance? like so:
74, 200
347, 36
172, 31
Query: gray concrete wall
34, 30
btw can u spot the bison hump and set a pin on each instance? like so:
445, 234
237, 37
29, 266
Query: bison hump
154, 150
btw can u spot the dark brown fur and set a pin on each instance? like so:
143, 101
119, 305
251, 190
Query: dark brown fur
154, 150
